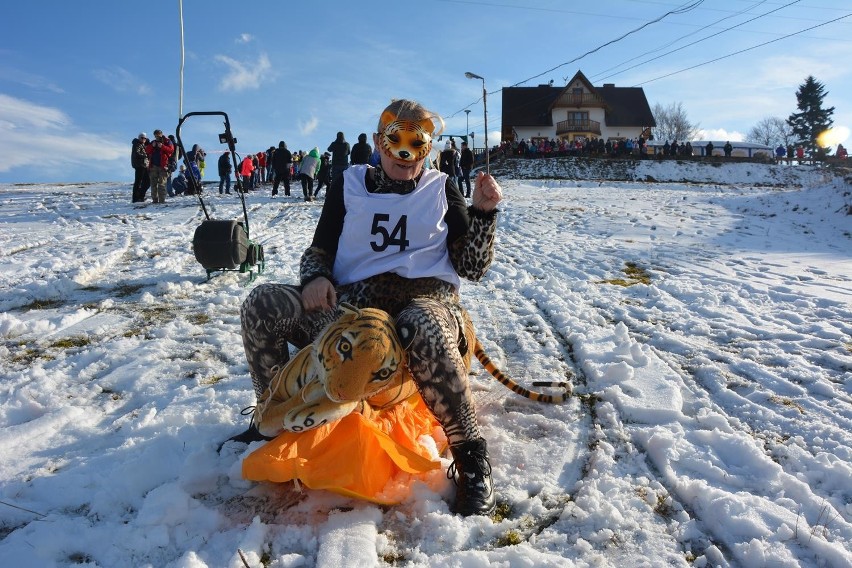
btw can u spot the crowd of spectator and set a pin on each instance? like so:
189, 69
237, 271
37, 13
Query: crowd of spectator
155, 161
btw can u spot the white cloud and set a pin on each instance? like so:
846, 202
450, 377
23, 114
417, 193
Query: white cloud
244, 75
121, 80
719, 134
308, 127
32, 135
245, 38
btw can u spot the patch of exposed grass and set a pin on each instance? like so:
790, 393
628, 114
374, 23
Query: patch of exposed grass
71, 342
42, 304
637, 273
664, 506
198, 319
510, 538
501, 512
124, 290
29, 355
394, 558
789, 403
212, 380
634, 274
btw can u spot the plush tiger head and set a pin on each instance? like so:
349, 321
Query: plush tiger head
406, 140
359, 355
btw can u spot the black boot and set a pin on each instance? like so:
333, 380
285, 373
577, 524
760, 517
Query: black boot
247, 437
475, 490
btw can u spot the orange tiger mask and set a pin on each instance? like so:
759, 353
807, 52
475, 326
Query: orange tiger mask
406, 140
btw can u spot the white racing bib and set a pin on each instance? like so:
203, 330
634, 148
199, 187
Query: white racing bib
388, 232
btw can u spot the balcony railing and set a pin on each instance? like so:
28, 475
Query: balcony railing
579, 100
575, 125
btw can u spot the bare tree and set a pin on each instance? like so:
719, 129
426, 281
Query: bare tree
771, 131
672, 123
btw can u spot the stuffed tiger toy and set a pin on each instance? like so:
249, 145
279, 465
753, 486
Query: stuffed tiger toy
357, 364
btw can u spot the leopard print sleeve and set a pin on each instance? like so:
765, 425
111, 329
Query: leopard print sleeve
315, 262
472, 253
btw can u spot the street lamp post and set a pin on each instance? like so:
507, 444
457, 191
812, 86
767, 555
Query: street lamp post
470, 75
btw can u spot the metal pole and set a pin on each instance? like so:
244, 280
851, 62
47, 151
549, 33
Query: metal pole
485, 109
467, 123
180, 97
470, 75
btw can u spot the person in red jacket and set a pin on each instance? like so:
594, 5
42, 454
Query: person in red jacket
261, 168
246, 169
159, 150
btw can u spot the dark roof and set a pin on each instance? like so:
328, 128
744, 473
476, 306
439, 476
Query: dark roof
627, 106
530, 106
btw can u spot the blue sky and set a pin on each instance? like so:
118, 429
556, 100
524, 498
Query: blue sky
79, 80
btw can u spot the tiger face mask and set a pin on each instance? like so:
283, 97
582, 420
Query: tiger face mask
406, 140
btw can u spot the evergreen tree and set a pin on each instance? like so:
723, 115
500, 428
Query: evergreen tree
812, 120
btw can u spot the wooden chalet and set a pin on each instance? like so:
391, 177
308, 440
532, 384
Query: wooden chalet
577, 110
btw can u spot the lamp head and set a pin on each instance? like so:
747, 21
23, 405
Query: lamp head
470, 75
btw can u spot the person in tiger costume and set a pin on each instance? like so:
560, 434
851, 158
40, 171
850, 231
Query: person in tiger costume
397, 237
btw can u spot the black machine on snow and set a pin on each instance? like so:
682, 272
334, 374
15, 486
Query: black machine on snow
221, 245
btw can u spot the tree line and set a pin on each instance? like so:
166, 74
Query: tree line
801, 128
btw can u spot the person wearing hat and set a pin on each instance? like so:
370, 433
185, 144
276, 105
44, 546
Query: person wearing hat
139, 162
324, 173
448, 163
180, 183
159, 150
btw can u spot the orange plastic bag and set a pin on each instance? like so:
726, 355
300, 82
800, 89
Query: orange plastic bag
355, 456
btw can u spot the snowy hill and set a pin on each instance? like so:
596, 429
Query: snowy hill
705, 319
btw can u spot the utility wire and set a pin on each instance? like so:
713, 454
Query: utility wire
680, 10
660, 56
683, 9
669, 44
743, 50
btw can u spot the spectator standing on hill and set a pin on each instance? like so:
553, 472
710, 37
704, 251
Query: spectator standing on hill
261, 168
361, 151
708, 149
466, 164
308, 171
728, 149
270, 171
339, 155
173, 165
225, 168
159, 151
448, 163
282, 161
246, 169
324, 173
780, 152
841, 152
140, 162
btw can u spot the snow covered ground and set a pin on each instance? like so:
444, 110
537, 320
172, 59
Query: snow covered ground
705, 320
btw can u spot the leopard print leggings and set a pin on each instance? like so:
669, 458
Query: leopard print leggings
272, 316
